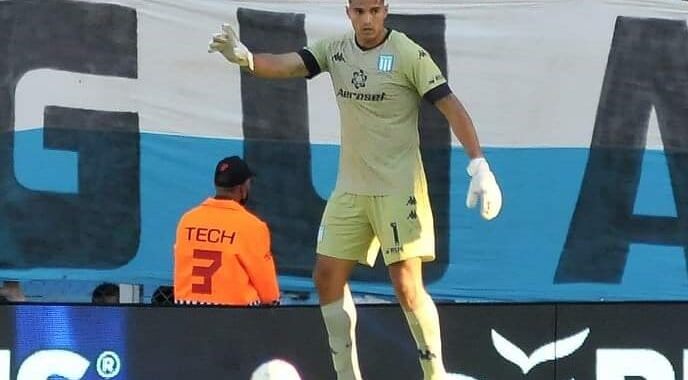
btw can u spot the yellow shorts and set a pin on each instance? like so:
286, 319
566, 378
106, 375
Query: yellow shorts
358, 227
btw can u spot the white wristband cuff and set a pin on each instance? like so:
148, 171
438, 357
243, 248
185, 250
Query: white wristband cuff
477, 165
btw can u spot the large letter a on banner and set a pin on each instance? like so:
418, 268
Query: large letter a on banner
648, 66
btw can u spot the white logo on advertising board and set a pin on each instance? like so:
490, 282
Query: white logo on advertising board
67, 364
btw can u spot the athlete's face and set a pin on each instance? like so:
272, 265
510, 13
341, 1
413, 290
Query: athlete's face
368, 20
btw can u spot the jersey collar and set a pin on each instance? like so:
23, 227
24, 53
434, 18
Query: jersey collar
223, 203
389, 31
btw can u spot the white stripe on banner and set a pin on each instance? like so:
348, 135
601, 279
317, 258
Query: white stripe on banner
525, 79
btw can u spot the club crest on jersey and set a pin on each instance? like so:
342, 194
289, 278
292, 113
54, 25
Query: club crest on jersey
359, 79
385, 63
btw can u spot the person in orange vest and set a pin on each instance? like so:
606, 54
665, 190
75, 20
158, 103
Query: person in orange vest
222, 253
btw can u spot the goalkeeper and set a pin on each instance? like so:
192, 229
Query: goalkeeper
380, 201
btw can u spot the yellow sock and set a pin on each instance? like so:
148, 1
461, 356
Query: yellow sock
340, 321
424, 323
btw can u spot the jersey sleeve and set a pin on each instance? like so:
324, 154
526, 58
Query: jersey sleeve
423, 72
315, 57
260, 266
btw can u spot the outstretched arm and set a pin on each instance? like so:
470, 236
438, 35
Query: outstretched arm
289, 65
483, 185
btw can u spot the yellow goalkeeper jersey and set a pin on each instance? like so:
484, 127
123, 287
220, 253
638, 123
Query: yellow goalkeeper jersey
378, 93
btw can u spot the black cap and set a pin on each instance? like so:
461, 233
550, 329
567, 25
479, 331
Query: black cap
231, 171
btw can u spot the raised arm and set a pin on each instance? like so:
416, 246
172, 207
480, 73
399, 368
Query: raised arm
288, 65
483, 185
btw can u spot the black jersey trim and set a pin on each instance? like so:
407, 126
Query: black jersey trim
437, 93
389, 31
311, 63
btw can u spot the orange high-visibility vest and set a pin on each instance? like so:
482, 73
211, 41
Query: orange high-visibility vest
222, 256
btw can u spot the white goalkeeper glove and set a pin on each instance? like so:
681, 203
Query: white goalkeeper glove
228, 44
483, 186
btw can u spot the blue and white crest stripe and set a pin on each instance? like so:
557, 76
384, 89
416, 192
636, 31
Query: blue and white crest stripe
385, 63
